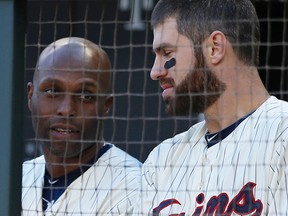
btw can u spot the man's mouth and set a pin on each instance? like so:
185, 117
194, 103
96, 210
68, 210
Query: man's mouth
63, 131
168, 86
167, 89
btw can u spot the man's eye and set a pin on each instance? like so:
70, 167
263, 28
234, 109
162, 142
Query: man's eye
50, 91
87, 97
166, 54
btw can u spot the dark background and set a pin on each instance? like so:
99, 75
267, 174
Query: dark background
138, 122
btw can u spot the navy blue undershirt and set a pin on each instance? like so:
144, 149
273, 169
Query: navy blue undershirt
214, 138
55, 190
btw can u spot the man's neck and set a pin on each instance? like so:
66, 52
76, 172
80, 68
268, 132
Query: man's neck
225, 112
60, 166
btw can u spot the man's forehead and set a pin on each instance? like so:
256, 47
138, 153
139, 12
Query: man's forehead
65, 71
68, 78
68, 63
165, 32
168, 26
166, 35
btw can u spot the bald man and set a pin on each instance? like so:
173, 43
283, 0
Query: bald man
78, 173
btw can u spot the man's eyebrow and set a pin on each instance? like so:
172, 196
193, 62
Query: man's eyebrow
162, 46
84, 82
87, 83
49, 80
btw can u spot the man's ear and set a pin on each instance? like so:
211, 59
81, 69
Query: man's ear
108, 104
29, 94
217, 42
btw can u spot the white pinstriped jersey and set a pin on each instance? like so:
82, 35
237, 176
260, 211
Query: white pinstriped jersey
244, 174
109, 187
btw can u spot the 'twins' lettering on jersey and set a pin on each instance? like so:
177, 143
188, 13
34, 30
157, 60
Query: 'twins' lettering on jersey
242, 204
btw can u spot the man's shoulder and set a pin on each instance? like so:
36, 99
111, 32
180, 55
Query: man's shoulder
186, 136
38, 160
274, 104
179, 141
118, 157
120, 163
273, 111
35, 165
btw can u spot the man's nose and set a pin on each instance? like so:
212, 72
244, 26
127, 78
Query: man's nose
158, 71
67, 106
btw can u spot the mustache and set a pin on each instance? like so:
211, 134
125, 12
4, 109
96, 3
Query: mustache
165, 81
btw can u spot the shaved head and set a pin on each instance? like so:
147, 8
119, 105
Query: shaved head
76, 54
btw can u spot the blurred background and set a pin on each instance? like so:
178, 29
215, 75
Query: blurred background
138, 121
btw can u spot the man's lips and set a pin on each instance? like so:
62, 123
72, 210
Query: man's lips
63, 131
167, 89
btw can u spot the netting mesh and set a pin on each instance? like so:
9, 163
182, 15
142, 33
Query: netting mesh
137, 121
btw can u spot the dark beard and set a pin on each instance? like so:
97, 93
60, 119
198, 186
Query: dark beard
198, 91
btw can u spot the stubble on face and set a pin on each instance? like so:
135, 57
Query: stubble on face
198, 90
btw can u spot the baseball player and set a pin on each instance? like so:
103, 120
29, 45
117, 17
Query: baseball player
78, 173
234, 162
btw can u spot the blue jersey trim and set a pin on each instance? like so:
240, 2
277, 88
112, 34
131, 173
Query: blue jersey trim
53, 189
214, 138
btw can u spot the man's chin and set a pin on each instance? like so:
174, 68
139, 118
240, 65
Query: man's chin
61, 149
169, 108
173, 110
184, 106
